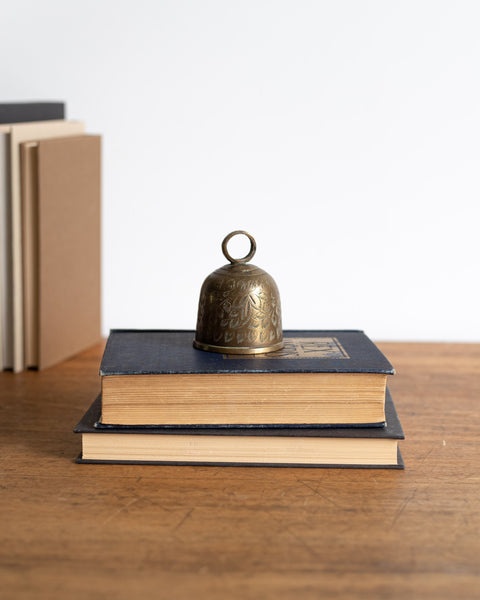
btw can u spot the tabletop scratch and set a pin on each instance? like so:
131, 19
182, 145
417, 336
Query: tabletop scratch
121, 509
402, 508
424, 458
185, 517
323, 496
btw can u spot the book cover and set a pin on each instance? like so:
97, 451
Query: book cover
6, 331
29, 194
272, 446
61, 226
26, 112
19, 133
155, 352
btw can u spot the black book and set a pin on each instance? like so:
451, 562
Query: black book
26, 112
243, 446
157, 377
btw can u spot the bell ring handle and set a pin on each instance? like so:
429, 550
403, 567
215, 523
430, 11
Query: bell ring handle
249, 256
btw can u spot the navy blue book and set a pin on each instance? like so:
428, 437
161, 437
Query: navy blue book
320, 378
26, 112
244, 446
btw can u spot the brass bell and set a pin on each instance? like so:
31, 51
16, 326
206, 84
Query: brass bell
239, 308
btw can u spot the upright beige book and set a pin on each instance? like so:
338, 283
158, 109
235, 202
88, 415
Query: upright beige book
22, 132
61, 181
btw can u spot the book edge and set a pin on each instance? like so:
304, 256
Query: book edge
392, 430
400, 465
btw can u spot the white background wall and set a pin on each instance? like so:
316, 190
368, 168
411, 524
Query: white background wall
344, 135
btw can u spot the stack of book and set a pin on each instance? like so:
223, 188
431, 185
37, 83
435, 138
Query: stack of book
49, 236
322, 400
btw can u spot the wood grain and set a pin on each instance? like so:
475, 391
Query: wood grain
95, 531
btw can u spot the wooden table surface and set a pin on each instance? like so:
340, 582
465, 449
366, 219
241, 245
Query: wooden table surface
115, 531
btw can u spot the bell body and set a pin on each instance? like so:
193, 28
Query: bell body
239, 311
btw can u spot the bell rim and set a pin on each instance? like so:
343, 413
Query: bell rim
237, 349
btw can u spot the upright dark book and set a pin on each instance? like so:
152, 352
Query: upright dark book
26, 112
243, 446
319, 378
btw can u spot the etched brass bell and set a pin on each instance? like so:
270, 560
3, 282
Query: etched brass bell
239, 308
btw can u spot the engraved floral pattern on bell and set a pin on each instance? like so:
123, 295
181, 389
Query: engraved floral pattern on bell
239, 310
